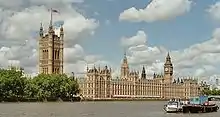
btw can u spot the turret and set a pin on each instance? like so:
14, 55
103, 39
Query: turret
61, 33
154, 76
143, 74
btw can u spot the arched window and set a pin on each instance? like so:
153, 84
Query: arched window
58, 70
58, 54
47, 54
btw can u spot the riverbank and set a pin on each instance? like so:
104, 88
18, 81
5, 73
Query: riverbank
113, 99
75, 100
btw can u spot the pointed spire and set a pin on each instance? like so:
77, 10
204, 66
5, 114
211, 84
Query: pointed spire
168, 59
143, 74
41, 26
125, 55
61, 28
181, 81
168, 55
125, 58
87, 68
178, 80
174, 81
143, 69
41, 30
154, 75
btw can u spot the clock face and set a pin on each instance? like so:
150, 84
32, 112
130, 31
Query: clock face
166, 69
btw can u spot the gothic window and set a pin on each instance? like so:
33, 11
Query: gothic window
54, 52
58, 70
46, 70
47, 54
43, 52
54, 70
58, 54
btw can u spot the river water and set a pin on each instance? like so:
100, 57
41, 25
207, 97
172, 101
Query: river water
92, 109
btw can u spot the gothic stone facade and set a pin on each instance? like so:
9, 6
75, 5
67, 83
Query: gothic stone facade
99, 84
51, 51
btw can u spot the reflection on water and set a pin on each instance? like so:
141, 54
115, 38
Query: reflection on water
91, 109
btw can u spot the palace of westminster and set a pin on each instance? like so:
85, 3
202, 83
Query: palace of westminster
99, 84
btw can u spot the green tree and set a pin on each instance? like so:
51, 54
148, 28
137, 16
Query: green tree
15, 87
211, 92
12, 84
55, 86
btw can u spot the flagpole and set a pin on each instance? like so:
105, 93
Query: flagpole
51, 17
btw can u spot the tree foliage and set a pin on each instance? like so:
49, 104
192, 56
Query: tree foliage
15, 87
211, 92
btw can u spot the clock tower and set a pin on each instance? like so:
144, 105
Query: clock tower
168, 70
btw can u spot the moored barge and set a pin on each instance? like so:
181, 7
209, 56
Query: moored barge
201, 104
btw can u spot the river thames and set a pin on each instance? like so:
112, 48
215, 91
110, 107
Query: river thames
91, 109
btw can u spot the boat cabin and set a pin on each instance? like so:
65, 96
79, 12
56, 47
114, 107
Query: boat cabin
200, 100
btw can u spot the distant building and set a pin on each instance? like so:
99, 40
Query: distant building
99, 84
51, 51
216, 84
19, 69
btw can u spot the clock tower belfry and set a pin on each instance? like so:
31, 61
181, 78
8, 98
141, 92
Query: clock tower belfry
168, 70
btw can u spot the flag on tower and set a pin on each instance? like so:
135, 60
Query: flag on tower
51, 15
55, 11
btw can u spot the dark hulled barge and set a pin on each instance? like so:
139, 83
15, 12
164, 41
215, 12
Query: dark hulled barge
202, 104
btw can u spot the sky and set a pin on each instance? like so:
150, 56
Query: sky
98, 32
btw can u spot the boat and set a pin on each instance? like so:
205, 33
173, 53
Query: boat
173, 106
201, 104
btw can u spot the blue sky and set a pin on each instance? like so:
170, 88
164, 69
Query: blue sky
179, 33
188, 34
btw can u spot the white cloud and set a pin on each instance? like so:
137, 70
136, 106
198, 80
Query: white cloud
140, 38
76, 60
40, 2
19, 27
157, 10
14, 4
214, 11
199, 59
10, 3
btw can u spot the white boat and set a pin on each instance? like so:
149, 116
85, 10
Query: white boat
173, 106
